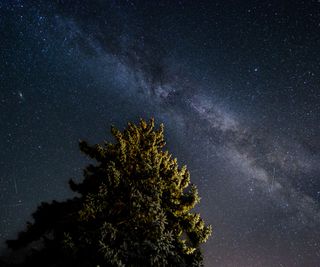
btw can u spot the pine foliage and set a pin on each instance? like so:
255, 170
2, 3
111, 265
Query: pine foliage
134, 209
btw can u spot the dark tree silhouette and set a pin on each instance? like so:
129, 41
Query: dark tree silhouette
134, 209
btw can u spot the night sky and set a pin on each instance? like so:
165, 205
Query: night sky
236, 83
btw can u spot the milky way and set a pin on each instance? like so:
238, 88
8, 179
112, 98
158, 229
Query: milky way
237, 87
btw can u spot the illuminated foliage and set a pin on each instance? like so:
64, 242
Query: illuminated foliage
134, 209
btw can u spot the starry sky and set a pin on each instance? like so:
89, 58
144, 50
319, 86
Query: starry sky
236, 84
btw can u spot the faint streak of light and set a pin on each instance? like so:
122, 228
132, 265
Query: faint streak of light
12, 205
273, 178
15, 185
274, 175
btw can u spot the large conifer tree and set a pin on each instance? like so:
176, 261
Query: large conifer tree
133, 209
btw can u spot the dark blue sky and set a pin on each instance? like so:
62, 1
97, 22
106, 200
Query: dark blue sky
236, 84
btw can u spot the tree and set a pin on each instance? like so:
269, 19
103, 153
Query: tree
133, 209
